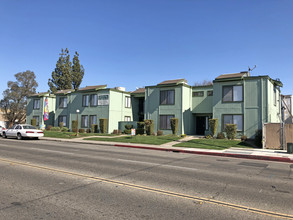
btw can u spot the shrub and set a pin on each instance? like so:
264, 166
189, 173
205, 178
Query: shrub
74, 125
213, 123
115, 131
128, 128
103, 125
55, 129
34, 122
149, 126
81, 130
140, 128
159, 133
94, 128
64, 129
243, 138
174, 125
48, 128
61, 125
209, 136
231, 130
258, 138
221, 135
88, 130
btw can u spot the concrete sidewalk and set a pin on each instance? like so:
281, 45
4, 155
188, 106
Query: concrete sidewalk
257, 154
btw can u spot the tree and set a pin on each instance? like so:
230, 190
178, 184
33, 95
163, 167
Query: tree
66, 75
203, 83
15, 97
77, 72
61, 76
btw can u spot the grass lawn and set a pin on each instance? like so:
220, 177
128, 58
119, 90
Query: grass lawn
69, 135
156, 140
216, 144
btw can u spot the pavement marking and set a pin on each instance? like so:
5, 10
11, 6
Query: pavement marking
154, 190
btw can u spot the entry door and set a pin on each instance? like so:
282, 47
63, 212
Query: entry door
200, 125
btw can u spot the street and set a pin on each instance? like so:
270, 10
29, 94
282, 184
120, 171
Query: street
58, 180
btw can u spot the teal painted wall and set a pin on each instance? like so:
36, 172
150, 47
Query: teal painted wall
204, 104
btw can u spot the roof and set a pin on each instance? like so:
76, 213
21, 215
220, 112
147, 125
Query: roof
65, 91
40, 94
233, 75
93, 87
139, 90
173, 81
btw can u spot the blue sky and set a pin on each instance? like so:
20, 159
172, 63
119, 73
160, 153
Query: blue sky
133, 43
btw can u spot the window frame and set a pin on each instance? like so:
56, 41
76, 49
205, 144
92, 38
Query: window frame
64, 101
64, 122
275, 97
232, 86
91, 121
85, 100
129, 117
198, 94
39, 104
83, 124
93, 97
103, 99
210, 93
127, 102
165, 123
167, 91
242, 118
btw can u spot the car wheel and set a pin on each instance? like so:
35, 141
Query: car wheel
4, 135
19, 137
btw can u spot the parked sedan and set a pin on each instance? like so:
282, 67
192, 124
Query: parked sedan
1, 130
21, 131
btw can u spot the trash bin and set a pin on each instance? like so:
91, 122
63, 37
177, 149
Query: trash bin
290, 148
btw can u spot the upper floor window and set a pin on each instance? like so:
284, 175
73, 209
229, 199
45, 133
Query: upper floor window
36, 103
94, 100
85, 100
127, 118
63, 102
167, 97
103, 99
198, 94
233, 119
127, 102
233, 93
210, 93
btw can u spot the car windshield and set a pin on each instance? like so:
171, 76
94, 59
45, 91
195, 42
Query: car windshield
28, 127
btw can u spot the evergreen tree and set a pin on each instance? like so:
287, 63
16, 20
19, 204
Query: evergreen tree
61, 76
77, 72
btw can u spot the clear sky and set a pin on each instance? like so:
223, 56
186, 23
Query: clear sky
134, 43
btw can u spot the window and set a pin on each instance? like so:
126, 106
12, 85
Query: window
85, 100
233, 119
63, 102
127, 118
84, 121
210, 93
94, 100
62, 118
103, 99
93, 119
165, 123
127, 102
36, 104
167, 97
37, 120
232, 93
275, 96
197, 94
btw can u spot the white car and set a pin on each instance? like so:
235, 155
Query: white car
1, 130
23, 131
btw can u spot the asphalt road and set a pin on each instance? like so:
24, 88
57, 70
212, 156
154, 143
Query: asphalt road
54, 180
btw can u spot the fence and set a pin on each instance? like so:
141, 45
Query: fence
273, 135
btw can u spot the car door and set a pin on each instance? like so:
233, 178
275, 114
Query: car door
13, 131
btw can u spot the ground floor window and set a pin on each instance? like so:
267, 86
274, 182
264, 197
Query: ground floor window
127, 118
93, 120
84, 121
37, 120
165, 122
233, 119
62, 118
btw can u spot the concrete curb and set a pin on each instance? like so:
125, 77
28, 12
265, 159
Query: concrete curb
176, 150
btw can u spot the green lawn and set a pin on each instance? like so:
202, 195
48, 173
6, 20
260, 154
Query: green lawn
69, 135
156, 140
216, 144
